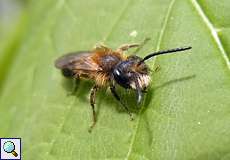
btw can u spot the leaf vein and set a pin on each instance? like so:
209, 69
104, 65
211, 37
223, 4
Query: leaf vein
162, 31
212, 30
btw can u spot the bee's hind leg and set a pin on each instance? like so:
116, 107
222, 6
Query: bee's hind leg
113, 90
76, 82
92, 103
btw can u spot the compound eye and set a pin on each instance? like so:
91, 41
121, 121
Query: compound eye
117, 72
121, 78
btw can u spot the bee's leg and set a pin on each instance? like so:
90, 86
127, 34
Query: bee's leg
113, 90
92, 103
144, 90
157, 68
101, 47
125, 47
141, 45
75, 86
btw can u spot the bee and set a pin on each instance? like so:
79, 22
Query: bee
109, 68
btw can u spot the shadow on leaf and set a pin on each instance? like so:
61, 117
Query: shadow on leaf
128, 96
150, 94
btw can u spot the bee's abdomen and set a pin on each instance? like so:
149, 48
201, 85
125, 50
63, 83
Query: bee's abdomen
67, 72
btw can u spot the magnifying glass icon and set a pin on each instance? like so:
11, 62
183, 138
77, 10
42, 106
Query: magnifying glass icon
9, 147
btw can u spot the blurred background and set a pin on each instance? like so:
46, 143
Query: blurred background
10, 15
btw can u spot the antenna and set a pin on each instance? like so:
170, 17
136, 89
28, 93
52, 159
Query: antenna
164, 52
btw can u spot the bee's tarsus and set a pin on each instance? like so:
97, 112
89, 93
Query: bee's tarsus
131, 117
91, 127
157, 68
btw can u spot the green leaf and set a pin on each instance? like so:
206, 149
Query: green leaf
186, 111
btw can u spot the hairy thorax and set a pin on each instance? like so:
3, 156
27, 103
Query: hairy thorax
107, 62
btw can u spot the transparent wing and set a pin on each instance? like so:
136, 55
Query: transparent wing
78, 61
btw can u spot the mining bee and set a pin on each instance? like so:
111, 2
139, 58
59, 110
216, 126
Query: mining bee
108, 68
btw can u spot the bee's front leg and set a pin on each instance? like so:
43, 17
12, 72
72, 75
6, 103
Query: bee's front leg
125, 47
113, 90
100, 47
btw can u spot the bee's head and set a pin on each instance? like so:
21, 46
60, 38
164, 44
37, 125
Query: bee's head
131, 74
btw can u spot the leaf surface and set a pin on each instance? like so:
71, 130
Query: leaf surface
186, 111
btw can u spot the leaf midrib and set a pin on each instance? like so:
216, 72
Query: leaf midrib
213, 31
71, 105
162, 31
